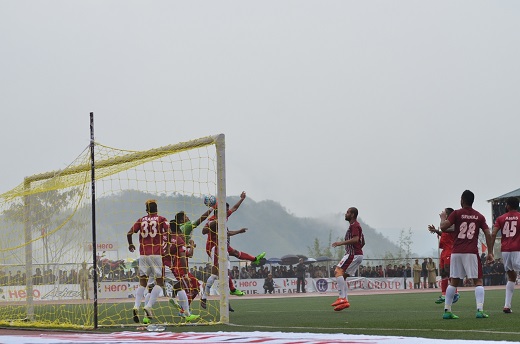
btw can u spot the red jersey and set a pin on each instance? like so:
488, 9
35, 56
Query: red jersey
151, 228
354, 229
508, 224
446, 242
468, 223
212, 240
177, 247
213, 217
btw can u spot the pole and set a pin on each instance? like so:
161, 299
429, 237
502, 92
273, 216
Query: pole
93, 188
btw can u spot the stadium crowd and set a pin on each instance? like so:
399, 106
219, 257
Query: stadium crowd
493, 274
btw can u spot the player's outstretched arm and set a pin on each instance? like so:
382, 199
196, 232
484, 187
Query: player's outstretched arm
237, 205
239, 231
202, 218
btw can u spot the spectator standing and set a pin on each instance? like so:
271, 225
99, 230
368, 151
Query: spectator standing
300, 276
38, 277
83, 275
424, 273
417, 275
432, 274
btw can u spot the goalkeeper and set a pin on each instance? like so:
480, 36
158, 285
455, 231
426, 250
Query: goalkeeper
183, 226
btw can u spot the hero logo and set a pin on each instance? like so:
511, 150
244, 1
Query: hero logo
322, 285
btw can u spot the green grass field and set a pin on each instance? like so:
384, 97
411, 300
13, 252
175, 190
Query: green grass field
410, 315
403, 314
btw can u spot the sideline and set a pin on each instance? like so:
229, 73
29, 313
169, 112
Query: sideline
225, 337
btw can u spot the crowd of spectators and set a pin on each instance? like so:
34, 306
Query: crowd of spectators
493, 274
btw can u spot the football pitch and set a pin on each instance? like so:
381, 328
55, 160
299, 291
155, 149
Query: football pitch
404, 314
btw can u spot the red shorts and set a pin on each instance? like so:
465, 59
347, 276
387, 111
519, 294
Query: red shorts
445, 258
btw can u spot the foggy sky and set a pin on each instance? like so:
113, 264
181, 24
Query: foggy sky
394, 107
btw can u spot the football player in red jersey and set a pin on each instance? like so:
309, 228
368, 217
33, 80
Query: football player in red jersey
446, 245
211, 230
151, 229
175, 260
465, 261
354, 242
509, 223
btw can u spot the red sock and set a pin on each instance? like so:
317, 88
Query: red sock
231, 284
246, 256
444, 285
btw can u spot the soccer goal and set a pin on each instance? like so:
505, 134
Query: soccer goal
64, 259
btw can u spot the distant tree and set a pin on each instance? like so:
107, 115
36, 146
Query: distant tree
46, 213
317, 250
404, 251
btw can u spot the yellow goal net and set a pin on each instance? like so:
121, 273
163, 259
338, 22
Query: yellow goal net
64, 257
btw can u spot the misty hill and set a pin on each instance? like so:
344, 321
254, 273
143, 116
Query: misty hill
271, 228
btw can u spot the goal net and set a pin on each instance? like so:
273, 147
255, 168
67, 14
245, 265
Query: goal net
64, 259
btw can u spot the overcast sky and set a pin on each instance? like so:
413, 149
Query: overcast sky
394, 107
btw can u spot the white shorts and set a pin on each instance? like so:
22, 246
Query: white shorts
350, 263
511, 260
150, 266
214, 258
465, 265
168, 275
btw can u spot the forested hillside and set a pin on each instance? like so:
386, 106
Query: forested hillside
271, 228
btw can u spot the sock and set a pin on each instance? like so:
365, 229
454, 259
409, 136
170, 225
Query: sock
246, 256
209, 283
139, 296
450, 292
479, 296
510, 289
183, 302
342, 286
444, 285
147, 297
202, 290
153, 296
231, 284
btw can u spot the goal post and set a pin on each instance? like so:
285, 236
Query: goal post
48, 224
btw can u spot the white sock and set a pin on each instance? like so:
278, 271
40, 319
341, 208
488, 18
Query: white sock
139, 296
183, 302
202, 290
479, 296
153, 296
342, 286
448, 299
510, 289
209, 283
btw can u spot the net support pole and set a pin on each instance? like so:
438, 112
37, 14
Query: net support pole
222, 230
28, 256
94, 244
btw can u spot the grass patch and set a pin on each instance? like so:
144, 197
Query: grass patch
408, 315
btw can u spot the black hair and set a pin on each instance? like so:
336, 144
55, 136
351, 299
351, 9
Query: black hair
448, 211
512, 202
151, 206
175, 224
468, 197
354, 211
